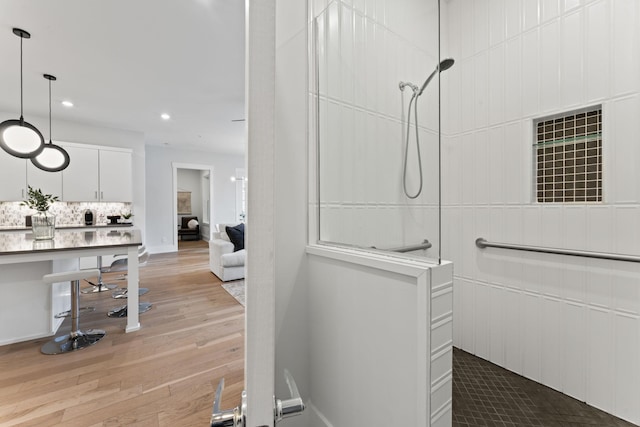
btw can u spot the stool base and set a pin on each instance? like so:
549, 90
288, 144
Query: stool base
122, 311
74, 341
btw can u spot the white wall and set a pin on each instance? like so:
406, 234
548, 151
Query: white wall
572, 324
160, 197
381, 335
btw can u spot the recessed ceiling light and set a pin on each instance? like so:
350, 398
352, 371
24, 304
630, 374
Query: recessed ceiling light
165, 116
67, 103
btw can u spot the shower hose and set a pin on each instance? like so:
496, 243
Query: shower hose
414, 97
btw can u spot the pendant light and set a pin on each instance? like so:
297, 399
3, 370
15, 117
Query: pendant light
53, 158
17, 137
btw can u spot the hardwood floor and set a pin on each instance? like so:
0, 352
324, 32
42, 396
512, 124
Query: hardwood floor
163, 375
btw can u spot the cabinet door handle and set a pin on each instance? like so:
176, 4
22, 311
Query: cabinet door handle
96, 195
101, 195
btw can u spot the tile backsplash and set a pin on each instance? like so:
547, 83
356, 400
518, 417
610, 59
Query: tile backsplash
67, 213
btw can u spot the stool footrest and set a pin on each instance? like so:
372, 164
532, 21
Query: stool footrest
68, 276
81, 310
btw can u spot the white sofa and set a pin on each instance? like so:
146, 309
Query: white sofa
223, 261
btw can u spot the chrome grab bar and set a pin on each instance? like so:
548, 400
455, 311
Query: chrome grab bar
424, 245
482, 243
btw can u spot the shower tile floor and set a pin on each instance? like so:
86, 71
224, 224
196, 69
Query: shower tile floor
485, 394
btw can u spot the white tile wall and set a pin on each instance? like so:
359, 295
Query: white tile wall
626, 61
570, 323
571, 53
364, 49
597, 64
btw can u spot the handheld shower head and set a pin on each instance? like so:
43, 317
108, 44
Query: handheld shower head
444, 65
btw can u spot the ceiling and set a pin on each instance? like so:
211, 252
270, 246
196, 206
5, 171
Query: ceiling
125, 62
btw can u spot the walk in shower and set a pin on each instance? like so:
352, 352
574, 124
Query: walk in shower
376, 71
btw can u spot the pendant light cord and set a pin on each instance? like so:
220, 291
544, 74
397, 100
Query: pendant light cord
50, 142
21, 97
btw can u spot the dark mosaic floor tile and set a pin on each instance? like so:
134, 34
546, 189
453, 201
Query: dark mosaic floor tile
485, 394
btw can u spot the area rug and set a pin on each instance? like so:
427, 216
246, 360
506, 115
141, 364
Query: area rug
235, 289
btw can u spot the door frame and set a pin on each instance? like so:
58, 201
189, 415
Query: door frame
193, 166
260, 310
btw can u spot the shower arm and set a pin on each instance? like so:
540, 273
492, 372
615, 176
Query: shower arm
403, 85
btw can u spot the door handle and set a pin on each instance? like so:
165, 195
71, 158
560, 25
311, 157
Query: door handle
230, 417
236, 417
289, 407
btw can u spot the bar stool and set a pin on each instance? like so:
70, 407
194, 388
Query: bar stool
76, 339
122, 264
100, 286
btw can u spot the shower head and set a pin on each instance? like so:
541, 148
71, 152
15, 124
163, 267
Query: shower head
444, 65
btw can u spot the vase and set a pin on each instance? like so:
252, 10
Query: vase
43, 225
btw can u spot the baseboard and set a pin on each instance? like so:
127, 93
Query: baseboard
25, 338
161, 249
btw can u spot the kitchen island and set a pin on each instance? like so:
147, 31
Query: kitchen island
27, 305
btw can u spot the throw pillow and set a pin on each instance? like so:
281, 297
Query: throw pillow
236, 235
192, 224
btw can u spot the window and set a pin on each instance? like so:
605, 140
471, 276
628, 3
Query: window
241, 195
568, 157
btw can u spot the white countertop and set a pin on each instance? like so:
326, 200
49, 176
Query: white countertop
12, 242
67, 226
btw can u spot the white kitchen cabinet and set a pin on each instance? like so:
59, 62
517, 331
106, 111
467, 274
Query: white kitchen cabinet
16, 174
97, 175
115, 176
13, 176
80, 178
48, 182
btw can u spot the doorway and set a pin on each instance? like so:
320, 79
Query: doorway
193, 197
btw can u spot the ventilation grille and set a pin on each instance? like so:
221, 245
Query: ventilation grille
568, 153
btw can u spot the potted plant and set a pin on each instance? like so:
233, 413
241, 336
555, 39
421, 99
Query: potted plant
42, 222
126, 216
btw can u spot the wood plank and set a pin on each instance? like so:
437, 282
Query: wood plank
162, 375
